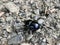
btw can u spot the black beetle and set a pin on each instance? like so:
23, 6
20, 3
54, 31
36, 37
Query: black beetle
31, 25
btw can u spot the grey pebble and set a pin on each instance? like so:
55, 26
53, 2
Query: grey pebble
15, 40
12, 7
4, 41
9, 18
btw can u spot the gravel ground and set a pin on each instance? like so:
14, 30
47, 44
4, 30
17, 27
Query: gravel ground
13, 13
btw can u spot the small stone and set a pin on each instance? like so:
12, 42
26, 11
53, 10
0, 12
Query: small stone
25, 44
38, 30
36, 11
44, 40
5, 34
58, 43
4, 41
58, 26
40, 21
1, 32
12, 7
9, 18
47, 24
11, 35
15, 39
17, 25
1, 37
1, 6
8, 29
36, 43
1, 13
43, 44
29, 37
2, 19
34, 39
36, 17
55, 36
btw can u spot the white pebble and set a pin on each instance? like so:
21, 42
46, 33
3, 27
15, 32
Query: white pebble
40, 21
44, 40
58, 43
36, 11
25, 44
8, 29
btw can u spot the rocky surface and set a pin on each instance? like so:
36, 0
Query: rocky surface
13, 13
